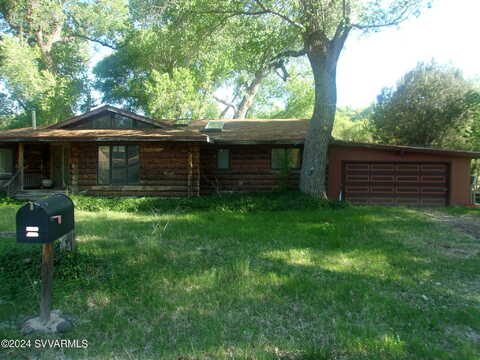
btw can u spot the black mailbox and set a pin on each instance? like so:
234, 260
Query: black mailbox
45, 221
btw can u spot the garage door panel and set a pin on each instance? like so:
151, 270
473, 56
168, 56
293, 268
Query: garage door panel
383, 178
434, 167
414, 184
382, 167
408, 167
434, 179
355, 166
358, 178
407, 190
407, 178
382, 190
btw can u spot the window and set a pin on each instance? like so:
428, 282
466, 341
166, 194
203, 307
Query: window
112, 121
286, 158
223, 159
214, 125
6, 162
122, 122
118, 165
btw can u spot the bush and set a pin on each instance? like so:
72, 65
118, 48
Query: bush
276, 201
8, 201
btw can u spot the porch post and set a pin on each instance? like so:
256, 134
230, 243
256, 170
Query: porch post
21, 165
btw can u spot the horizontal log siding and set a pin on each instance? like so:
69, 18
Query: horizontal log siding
165, 171
250, 171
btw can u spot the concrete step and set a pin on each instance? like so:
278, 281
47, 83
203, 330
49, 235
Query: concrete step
31, 195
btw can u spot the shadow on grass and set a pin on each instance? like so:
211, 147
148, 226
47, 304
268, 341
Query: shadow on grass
291, 285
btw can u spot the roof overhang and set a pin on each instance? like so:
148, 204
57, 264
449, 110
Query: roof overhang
411, 149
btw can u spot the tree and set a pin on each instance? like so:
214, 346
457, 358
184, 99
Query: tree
430, 105
352, 125
44, 52
168, 66
321, 28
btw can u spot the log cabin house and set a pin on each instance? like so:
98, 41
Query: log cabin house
113, 152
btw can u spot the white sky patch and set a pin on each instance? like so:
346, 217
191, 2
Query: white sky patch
448, 33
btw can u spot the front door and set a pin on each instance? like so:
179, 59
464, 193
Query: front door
59, 165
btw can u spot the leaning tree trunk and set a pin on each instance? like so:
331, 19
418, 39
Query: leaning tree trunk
250, 94
312, 178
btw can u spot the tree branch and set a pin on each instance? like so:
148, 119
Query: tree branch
282, 16
290, 53
103, 43
400, 18
226, 103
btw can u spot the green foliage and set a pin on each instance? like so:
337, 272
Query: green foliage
430, 105
177, 96
7, 201
244, 203
44, 47
352, 125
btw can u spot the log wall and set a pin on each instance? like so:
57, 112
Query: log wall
165, 171
250, 171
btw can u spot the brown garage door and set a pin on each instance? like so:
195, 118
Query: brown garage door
417, 184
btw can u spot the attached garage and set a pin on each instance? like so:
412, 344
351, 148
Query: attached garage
399, 175
396, 183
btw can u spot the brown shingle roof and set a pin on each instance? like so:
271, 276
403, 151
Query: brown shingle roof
45, 134
268, 131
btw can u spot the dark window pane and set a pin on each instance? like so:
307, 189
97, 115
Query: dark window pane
122, 122
103, 122
103, 165
223, 159
133, 162
119, 165
6, 162
278, 158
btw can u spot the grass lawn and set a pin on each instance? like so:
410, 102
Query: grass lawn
353, 283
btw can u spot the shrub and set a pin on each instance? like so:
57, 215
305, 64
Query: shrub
275, 201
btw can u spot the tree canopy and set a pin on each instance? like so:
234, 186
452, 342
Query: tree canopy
431, 105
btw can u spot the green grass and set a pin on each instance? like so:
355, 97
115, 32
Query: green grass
461, 210
321, 283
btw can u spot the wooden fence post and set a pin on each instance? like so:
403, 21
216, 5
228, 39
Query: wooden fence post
47, 280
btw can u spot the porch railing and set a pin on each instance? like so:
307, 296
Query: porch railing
32, 180
12, 186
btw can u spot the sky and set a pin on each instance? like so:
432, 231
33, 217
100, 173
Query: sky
449, 32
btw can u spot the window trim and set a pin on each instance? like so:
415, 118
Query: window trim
285, 151
110, 168
229, 159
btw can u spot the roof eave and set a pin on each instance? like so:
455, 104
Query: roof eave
454, 153
104, 139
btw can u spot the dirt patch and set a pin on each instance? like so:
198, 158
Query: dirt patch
468, 225
463, 332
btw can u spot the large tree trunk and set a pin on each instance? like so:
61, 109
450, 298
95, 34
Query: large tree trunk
312, 179
250, 94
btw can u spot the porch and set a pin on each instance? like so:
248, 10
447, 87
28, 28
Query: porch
38, 170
